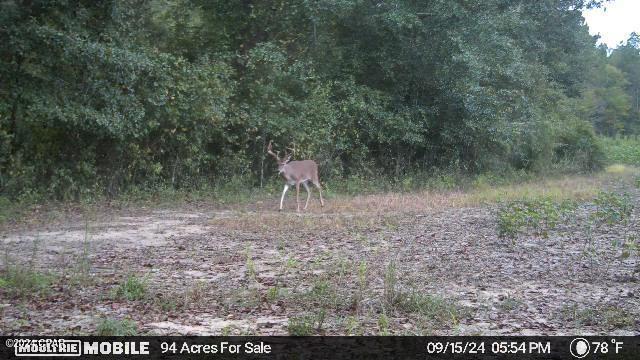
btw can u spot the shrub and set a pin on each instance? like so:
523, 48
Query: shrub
540, 215
612, 208
578, 147
621, 150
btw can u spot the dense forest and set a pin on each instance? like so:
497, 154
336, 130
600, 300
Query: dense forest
103, 96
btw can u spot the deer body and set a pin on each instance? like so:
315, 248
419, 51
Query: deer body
297, 173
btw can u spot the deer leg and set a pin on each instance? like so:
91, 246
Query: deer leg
317, 184
286, 187
298, 195
306, 187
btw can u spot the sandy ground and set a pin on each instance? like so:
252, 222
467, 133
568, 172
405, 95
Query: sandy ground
211, 271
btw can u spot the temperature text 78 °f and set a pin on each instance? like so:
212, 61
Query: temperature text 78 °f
603, 347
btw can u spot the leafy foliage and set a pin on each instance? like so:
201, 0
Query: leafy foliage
99, 98
612, 207
539, 215
622, 150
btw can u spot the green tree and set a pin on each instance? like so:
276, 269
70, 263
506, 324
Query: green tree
626, 58
607, 102
104, 96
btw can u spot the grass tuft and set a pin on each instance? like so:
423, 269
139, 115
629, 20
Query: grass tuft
610, 316
432, 308
132, 289
113, 327
301, 325
21, 282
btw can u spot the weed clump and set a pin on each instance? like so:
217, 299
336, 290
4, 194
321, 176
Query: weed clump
19, 281
612, 208
113, 327
132, 289
541, 216
301, 325
433, 308
610, 316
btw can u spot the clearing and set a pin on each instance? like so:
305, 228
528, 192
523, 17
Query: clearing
427, 263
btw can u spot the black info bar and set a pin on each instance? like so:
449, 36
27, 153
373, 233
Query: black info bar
323, 347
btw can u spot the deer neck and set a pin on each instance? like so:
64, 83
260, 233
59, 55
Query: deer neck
288, 174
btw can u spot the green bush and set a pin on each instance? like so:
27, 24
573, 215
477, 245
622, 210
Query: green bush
621, 150
578, 147
7, 208
539, 215
612, 208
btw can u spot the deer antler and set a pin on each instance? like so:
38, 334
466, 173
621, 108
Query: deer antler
270, 152
287, 154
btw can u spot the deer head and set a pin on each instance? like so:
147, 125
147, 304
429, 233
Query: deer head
281, 161
296, 173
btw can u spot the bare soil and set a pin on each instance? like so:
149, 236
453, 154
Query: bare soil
338, 270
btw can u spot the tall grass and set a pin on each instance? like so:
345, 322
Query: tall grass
433, 186
621, 150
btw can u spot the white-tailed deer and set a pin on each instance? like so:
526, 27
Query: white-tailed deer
296, 173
